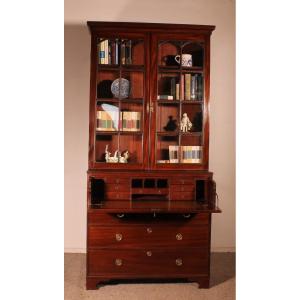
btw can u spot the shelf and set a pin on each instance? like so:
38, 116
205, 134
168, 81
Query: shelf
121, 132
116, 100
175, 133
176, 69
107, 67
154, 206
176, 102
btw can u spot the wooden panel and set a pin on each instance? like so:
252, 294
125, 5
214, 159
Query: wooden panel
181, 180
117, 187
161, 262
118, 195
116, 179
182, 187
98, 217
183, 195
148, 235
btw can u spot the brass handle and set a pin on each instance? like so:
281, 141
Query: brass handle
119, 237
120, 215
186, 216
149, 230
179, 262
151, 107
149, 253
178, 236
118, 262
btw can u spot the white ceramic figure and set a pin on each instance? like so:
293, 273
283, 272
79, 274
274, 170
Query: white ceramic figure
124, 158
117, 156
109, 158
185, 124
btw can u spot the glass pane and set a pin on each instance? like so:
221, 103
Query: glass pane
105, 79
133, 145
180, 93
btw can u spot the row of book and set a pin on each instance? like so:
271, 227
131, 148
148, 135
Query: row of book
109, 121
191, 88
188, 154
114, 52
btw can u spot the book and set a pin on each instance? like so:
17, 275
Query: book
129, 55
117, 52
177, 91
131, 121
173, 87
182, 87
165, 97
107, 121
187, 86
173, 154
123, 57
101, 52
193, 87
191, 154
199, 87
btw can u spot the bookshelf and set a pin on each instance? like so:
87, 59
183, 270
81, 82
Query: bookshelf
150, 194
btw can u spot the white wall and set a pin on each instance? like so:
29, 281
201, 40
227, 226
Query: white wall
222, 139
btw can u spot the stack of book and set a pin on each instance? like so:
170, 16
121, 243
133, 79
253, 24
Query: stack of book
189, 154
131, 120
109, 52
173, 154
192, 86
107, 120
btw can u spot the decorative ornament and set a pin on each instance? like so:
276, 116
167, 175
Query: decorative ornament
117, 156
185, 124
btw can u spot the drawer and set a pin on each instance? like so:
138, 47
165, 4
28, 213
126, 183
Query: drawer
148, 262
117, 187
183, 188
98, 217
118, 195
182, 181
148, 236
117, 180
182, 195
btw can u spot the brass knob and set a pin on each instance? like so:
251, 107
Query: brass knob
118, 262
179, 262
149, 230
149, 253
119, 237
178, 236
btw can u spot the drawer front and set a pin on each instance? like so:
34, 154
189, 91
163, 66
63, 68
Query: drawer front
151, 262
116, 180
182, 187
182, 181
148, 236
183, 195
117, 187
101, 218
118, 195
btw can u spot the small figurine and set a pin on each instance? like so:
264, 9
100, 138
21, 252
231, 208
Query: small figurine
117, 156
185, 124
123, 159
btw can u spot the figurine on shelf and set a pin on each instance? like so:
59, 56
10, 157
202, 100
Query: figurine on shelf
124, 158
111, 159
185, 124
117, 156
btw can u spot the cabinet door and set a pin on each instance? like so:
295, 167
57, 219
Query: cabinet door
119, 89
179, 101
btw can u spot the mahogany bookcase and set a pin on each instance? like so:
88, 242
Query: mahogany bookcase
149, 214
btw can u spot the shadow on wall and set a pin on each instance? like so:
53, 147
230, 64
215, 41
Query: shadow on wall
76, 80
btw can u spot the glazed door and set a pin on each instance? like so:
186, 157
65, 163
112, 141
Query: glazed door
179, 101
118, 101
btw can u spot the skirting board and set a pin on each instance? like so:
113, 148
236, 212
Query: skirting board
214, 249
